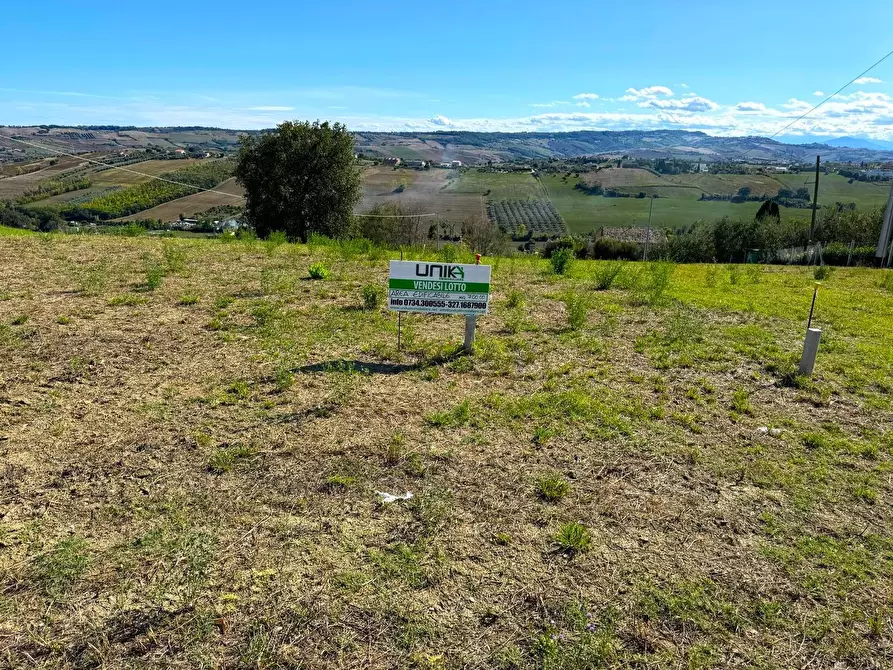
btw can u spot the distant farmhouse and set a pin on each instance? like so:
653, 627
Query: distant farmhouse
413, 163
392, 161
450, 165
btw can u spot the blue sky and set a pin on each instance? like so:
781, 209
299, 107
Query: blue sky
722, 67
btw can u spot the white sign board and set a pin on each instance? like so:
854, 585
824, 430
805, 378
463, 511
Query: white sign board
438, 288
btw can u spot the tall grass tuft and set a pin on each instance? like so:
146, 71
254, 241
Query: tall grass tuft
576, 309
606, 274
154, 271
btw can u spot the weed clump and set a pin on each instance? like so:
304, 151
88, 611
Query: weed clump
574, 538
552, 487
319, 271
515, 300
373, 296
127, 300
226, 458
188, 299
822, 272
339, 482
741, 402
457, 416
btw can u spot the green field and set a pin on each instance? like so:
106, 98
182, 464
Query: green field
196, 438
584, 213
677, 204
510, 186
6, 231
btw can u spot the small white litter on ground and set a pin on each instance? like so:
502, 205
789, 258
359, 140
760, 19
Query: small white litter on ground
393, 497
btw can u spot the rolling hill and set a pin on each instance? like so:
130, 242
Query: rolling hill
468, 147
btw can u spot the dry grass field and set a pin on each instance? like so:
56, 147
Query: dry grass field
423, 191
194, 434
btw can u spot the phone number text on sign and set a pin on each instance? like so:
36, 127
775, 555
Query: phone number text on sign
441, 305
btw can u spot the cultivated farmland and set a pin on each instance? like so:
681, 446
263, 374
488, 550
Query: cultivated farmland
194, 204
537, 217
195, 437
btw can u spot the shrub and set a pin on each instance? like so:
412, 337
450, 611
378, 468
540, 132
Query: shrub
822, 272
576, 311
574, 538
575, 244
373, 295
319, 271
608, 249
562, 259
552, 487
606, 273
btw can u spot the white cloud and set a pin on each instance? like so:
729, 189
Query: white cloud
818, 94
586, 96
750, 107
650, 92
688, 104
553, 103
868, 80
441, 121
583, 104
684, 85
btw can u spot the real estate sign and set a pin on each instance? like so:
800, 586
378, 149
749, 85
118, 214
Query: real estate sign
438, 288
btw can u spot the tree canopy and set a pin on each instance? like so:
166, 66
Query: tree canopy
300, 179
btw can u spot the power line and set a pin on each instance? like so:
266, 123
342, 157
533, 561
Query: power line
397, 216
837, 92
123, 169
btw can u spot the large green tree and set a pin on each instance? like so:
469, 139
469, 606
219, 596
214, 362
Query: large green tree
300, 179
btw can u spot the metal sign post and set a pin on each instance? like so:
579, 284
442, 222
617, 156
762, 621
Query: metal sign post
471, 319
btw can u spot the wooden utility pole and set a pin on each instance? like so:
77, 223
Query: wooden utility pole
815, 198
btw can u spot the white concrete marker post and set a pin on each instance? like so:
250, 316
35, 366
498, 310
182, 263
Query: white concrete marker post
810, 351
811, 343
470, 324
